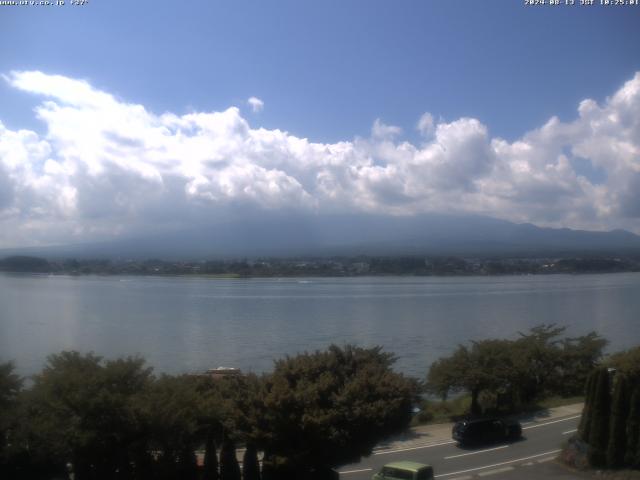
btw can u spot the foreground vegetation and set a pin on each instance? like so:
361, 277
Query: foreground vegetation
116, 420
512, 375
609, 430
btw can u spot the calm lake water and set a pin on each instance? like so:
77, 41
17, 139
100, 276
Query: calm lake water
190, 324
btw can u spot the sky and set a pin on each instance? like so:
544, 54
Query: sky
127, 118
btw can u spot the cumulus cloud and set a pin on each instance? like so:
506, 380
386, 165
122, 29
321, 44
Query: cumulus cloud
425, 124
105, 167
256, 104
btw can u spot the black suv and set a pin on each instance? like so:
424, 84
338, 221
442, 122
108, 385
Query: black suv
486, 430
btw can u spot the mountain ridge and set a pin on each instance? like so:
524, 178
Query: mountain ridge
282, 235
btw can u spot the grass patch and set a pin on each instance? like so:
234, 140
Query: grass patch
553, 402
442, 411
435, 411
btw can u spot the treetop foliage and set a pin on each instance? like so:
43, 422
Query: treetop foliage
538, 363
115, 419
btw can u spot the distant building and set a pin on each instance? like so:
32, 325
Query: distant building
222, 372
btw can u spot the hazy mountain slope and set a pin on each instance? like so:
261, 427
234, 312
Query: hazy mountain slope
281, 235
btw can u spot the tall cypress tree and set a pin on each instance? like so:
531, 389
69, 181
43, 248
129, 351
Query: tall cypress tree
210, 459
268, 471
599, 425
585, 420
187, 466
631, 458
617, 424
250, 465
229, 468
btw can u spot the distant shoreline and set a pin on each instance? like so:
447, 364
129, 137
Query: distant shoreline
339, 267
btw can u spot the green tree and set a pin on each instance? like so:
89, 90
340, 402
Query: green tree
170, 410
250, 465
632, 457
537, 354
627, 362
187, 467
487, 365
10, 387
599, 427
522, 371
80, 411
210, 459
577, 359
590, 393
618, 422
229, 468
330, 407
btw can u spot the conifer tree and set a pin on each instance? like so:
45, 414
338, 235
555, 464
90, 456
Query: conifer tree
250, 466
268, 471
599, 425
187, 467
210, 459
229, 468
631, 458
585, 420
617, 428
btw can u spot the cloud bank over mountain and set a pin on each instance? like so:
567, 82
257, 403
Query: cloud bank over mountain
106, 168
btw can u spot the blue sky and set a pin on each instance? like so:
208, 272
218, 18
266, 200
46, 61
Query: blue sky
329, 72
327, 69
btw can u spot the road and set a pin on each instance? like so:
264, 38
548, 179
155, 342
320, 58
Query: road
540, 443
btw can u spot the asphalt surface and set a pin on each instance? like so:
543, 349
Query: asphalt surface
529, 457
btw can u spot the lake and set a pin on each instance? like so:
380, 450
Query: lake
185, 324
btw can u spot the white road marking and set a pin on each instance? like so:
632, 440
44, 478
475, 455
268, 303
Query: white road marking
549, 423
548, 459
498, 464
414, 448
466, 477
386, 452
528, 464
356, 471
570, 431
497, 470
479, 451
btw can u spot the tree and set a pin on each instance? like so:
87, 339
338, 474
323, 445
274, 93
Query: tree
10, 387
330, 407
229, 468
522, 371
599, 425
250, 465
632, 452
187, 467
210, 459
268, 471
170, 411
578, 357
585, 419
627, 362
487, 365
618, 421
80, 411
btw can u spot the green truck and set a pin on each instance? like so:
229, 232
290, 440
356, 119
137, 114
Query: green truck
405, 471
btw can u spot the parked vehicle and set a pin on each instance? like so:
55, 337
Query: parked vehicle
405, 471
486, 430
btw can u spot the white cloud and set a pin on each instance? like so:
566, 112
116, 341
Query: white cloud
256, 104
426, 124
383, 131
106, 168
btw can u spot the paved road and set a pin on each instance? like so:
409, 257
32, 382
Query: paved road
541, 442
